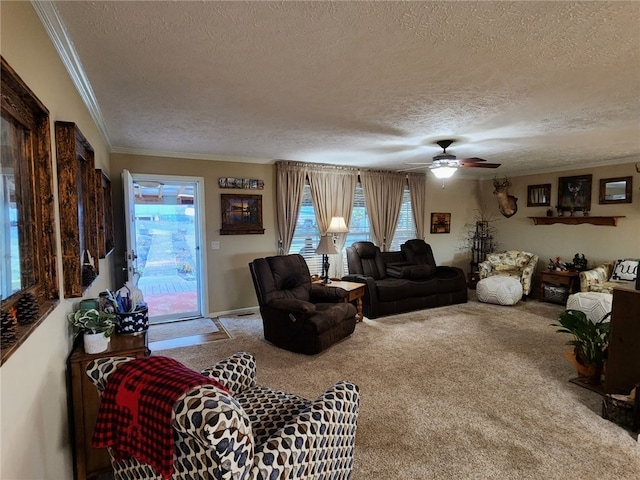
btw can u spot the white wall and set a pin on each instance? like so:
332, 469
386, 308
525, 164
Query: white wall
35, 434
229, 282
597, 243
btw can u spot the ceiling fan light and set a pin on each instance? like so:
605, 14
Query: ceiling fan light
443, 172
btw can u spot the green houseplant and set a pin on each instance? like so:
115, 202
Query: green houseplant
590, 342
96, 327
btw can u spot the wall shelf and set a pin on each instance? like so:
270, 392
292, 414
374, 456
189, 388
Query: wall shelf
604, 221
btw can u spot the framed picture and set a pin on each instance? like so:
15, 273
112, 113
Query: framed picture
440, 222
574, 193
615, 190
241, 214
539, 195
244, 183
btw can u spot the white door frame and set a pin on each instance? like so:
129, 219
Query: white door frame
199, 203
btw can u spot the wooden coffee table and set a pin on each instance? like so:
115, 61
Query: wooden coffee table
355, 291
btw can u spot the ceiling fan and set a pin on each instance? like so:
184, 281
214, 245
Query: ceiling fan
444, 165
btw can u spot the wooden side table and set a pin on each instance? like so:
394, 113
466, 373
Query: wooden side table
355, 291
473, 279
570, 280
90, 461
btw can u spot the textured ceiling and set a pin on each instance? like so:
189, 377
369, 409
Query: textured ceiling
535, 86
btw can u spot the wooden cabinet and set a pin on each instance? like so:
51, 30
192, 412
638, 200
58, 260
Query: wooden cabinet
623, 363
90, 461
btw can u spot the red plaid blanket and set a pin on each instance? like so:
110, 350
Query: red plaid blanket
135, 412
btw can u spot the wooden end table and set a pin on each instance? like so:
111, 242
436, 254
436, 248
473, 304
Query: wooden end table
568, 279
355, 291
90, 461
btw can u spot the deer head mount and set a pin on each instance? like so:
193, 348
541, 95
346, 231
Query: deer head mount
507, 204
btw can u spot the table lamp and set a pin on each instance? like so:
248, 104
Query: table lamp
326, 248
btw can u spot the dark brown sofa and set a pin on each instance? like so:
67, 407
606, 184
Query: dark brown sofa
297, 315
403, 281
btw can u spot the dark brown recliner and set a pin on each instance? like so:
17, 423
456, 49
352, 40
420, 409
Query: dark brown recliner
297, 315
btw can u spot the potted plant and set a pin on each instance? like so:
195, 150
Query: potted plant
590, 342
96, 327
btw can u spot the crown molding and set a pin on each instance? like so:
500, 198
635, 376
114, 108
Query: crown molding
58, 34
191, 156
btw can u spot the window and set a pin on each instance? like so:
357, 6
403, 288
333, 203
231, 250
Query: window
359, 227
406, 229
307, 234
28, 224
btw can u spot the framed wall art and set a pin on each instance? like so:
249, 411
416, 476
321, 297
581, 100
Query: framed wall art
574, 193
539, 195
241, 214
440, 222
615, 190
244, 183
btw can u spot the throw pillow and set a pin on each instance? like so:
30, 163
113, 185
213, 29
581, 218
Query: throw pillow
505, 268
625, 270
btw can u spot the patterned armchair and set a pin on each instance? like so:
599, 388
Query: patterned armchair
252, 432
606, 277
512, 263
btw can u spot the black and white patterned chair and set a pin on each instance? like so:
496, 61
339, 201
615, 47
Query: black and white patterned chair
254, 432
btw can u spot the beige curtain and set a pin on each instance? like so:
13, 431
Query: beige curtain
418, 193
383, 196
290, 178
332, 192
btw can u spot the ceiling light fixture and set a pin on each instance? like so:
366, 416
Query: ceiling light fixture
443, 172
444, 168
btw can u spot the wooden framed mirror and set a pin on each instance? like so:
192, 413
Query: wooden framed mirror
78, 211
539, 195
615, 190
27, 214
104, 212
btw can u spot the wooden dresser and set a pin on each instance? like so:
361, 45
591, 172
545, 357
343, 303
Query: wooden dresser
90, 461
623, 363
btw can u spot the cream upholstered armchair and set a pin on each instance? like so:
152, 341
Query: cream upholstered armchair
250, 432
512, 263
604, 278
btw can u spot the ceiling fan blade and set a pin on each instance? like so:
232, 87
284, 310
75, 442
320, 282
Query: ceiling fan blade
416, 166
472, 159
480, 165
419, 163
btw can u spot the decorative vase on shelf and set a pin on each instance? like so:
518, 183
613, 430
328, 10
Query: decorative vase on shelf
95, 342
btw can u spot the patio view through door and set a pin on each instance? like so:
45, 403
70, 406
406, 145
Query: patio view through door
164, 259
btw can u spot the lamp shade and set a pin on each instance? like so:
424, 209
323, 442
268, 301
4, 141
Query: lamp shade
337, 225
326, 246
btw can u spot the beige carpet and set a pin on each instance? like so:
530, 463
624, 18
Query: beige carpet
470, 391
